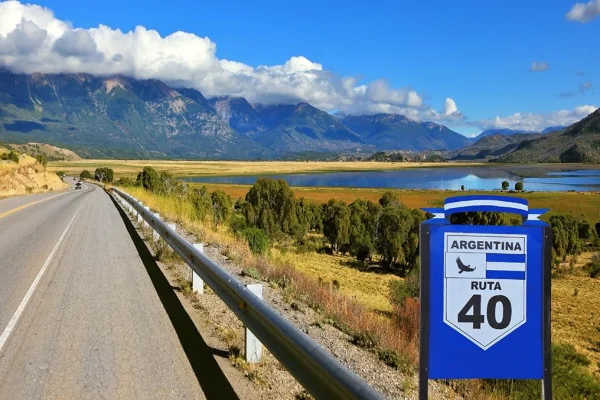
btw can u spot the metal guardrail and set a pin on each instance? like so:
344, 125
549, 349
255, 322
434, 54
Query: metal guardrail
315, 369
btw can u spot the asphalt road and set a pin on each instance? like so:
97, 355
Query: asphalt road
84, 315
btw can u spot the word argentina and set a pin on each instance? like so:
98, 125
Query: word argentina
493, 245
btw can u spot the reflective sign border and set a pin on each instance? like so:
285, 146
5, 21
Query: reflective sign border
424, 329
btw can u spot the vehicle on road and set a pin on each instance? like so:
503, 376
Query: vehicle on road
78, 185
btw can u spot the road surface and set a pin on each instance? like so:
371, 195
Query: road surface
85, 313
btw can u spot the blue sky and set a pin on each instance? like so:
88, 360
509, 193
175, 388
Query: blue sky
479, 54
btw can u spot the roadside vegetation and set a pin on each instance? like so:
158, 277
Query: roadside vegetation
294, 244
24, 174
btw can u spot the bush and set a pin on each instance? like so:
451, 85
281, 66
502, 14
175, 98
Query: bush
519, 186
593, 266
40, 158
104, 174
400, 290
10, 156
258, 241
505, 185
85, 174
124, 181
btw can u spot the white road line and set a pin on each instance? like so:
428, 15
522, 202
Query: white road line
17, 315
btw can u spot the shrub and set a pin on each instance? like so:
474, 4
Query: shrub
593, 266
104, 174
505, 185
400, 290
11, 156
258, 241
519, 186
85, 174
40, 158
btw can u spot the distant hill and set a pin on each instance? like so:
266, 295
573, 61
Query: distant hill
397, 132
579, 142
493, 146
52, 153
551, 129
503, 131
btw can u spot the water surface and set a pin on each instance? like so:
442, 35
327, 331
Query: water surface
535, 178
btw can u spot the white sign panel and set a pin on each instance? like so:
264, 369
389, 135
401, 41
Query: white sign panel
485, 283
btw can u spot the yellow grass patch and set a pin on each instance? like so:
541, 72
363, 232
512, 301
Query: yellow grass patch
211, 168
576, 312
368, 288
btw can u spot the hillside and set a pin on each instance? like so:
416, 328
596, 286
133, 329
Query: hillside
52, 153
26, 177
503, 132
120, 117
394, 132
492, 146
579, 142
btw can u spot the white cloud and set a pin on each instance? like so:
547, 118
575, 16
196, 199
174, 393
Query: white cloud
450, 106
584, 12
32, 40
539, 66
537, 122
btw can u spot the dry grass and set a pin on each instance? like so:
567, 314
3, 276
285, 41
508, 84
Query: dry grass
207, 168
368, 288
576, 311
26, 177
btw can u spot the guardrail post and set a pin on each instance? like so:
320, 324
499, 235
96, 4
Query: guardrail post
140, 219
197, 282
155, 235
144, 222
253, 345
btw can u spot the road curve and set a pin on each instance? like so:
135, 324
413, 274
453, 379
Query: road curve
94, 323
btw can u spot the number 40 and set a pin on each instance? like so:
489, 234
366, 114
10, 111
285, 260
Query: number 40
477, 318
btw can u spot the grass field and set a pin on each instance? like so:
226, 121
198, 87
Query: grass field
130, 168
586, 204
576, 312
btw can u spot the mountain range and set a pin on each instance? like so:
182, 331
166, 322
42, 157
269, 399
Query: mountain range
577, 143
123, 117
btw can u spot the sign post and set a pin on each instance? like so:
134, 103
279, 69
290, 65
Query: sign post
485, 295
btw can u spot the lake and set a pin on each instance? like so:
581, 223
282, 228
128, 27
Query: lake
535, 178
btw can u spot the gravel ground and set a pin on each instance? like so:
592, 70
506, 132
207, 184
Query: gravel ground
270, 377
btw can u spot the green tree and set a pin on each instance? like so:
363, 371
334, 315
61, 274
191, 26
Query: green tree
85, 174
389, 198
364, 216
398, 236
104, 174
221, 207
584, 229
150, 180
481, 218
519, 186
270, 205
505, 185
336, 223
565, 240
462, 187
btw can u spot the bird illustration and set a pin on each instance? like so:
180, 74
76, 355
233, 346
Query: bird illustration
462, 267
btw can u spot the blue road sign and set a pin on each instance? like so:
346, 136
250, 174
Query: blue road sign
485, 294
